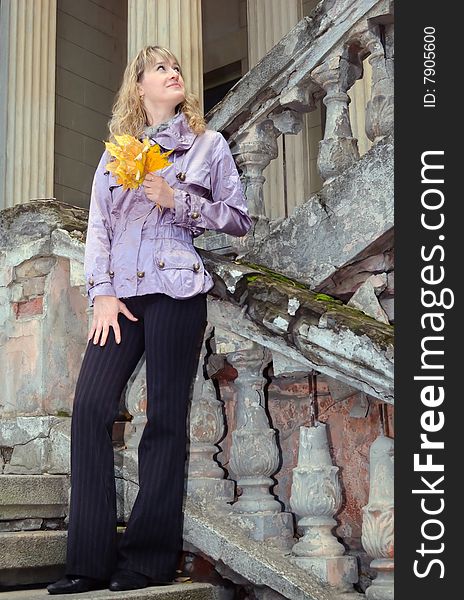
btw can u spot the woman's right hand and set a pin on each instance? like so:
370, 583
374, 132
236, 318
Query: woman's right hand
105, 314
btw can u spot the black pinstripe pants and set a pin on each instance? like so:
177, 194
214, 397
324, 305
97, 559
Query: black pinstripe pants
170, 332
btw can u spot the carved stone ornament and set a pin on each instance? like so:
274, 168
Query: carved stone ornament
378, 519
316, 497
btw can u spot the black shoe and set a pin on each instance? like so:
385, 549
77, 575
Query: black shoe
72, 584
124, 579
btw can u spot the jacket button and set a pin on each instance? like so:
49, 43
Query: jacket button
140, 273
195, 215
196, 266
111, 273
91, 281
161, 263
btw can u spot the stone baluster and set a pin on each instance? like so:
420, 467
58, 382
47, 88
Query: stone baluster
315, 498
378, 518
206, 483
254, 455
339, 149
380, 108
253, 151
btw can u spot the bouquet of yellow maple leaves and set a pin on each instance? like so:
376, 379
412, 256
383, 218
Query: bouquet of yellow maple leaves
133, 159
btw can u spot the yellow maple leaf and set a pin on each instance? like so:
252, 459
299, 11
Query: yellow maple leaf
155, 159
133, 159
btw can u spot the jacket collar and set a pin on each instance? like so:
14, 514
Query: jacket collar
177, 136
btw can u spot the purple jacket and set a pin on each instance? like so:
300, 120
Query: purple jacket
133, 248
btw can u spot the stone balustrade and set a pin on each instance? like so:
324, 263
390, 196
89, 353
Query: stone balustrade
239, 483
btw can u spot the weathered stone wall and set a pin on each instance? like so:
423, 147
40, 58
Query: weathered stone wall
43, 324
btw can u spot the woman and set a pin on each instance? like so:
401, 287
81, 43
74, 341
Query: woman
148, 286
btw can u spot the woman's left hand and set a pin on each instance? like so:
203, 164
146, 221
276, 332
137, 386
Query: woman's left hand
158, 190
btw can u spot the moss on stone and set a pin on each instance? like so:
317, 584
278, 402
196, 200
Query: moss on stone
63, 413
326, 298
343, 316
270, 273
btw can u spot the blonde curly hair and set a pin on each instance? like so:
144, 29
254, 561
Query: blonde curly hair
128, 113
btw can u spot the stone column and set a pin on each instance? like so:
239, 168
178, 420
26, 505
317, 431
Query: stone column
268, 22
175, 24
27, 99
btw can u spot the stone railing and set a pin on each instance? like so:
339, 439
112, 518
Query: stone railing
321, 57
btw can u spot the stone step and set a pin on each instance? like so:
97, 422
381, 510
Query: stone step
33, 496
33, 557
30, 557
180, 591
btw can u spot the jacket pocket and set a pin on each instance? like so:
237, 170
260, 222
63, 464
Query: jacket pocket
179, 267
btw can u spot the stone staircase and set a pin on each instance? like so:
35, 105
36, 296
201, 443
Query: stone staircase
30, 559
32, 513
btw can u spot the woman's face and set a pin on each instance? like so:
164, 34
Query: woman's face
162, 84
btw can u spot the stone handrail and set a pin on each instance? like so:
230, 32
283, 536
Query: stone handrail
254, 317
348, 225
313, 330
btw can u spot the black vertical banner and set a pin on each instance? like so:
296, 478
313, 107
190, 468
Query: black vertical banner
429, 239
